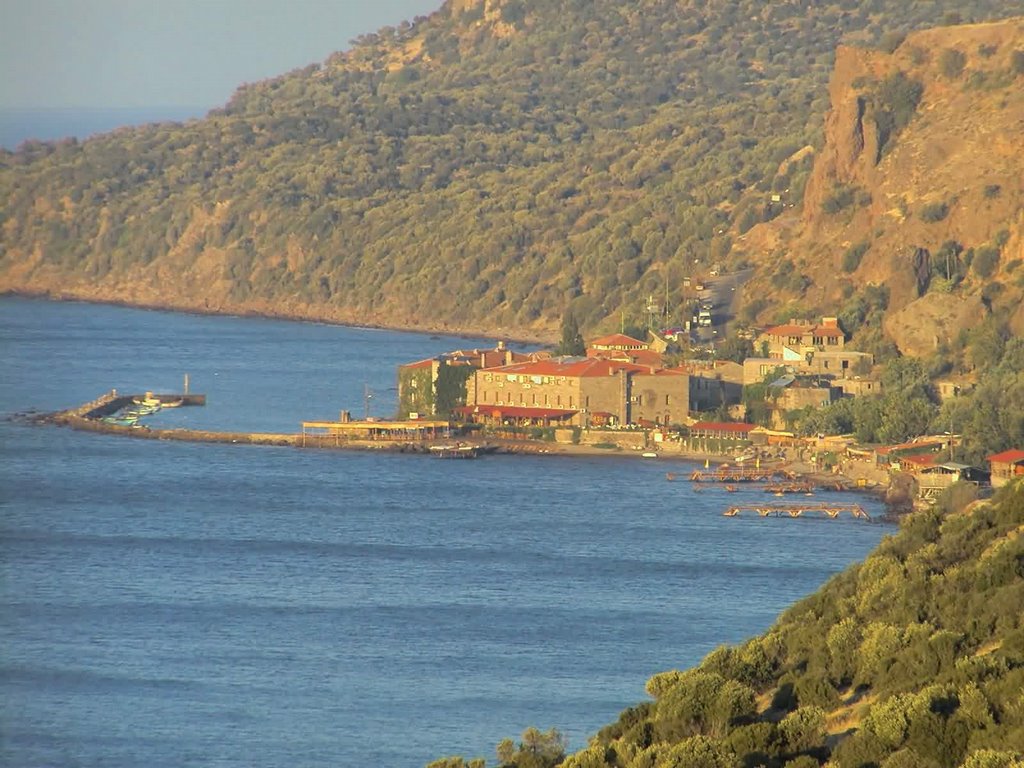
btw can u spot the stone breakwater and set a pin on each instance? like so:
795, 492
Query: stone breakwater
94, 416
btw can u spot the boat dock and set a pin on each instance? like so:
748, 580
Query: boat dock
111, 402
815, 509
741, 475
114, 413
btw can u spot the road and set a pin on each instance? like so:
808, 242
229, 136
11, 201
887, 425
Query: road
724, 292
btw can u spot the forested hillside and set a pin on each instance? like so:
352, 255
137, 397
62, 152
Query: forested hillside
486, 168
912, 659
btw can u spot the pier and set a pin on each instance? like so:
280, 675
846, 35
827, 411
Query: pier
795, 486
740, 475
113, 413
816, 509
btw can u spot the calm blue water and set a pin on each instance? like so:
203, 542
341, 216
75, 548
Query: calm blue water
167, 604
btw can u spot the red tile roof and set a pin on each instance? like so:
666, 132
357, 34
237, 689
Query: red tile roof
591, 366
638, 356
420, 363
788, 330
617, 340
791, 329
1013, 456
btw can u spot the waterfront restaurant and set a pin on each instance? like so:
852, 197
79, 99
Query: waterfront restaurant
337, 432
514, 415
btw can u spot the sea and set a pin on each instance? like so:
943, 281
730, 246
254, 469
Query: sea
174, 604
21, 124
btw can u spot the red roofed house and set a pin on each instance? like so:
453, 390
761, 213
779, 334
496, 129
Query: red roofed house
622, 392
796, 339
1006, 466
433, 387
617, 342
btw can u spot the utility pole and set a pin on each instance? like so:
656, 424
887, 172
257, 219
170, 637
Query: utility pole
367, 397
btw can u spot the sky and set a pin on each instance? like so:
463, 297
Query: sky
154, 54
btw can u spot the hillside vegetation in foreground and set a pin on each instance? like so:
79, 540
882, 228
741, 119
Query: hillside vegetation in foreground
912, 659
487, 168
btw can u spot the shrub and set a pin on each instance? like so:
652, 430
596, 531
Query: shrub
853, 255
891, 40
840, 198
1017, 62
991, 191
985, 260
951, 63
934, 212
895, 103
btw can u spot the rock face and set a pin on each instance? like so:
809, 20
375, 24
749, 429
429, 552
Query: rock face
951, 175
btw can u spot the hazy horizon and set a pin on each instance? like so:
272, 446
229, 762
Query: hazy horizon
20, 124
141, 54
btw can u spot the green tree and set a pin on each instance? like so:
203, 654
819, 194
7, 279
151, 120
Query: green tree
536, 749
572, 340
802, 729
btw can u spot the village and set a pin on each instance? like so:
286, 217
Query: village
646, 397
631, 394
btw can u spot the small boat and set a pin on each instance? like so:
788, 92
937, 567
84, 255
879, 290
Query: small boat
142, 410
121, 421
649, 455
731, 488
455, 451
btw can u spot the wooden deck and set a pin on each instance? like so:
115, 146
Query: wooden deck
811, 509
741, 475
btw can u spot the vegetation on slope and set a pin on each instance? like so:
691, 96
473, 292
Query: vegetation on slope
914, 657
489, 166
987, 418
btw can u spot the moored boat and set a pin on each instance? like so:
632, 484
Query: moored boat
455, 451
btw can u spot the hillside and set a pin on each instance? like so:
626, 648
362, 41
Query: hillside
913, 658
486, 168
919, 188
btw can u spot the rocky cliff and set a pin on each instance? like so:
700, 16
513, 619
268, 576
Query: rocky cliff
919, 186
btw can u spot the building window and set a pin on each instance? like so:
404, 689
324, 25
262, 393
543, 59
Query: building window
586, 401
570, 401
667, 398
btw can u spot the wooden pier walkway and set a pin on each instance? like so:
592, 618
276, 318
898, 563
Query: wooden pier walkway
817, 509
741, 475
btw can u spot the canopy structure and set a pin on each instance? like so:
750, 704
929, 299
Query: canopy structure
520, 416
418, 429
